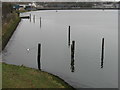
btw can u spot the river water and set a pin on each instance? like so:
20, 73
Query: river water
87, 27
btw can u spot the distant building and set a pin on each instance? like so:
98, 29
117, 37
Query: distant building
33, 4
104, 5
19, 7
16, 7
30, 6
22, 6
108, 5
117, 5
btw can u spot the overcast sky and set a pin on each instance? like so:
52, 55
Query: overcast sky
57, 0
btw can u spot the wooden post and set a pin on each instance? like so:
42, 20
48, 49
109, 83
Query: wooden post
30, 17
73, 43
39, 55
72, 49
102, 54
72, 56
69, 36
40, 22
34, 18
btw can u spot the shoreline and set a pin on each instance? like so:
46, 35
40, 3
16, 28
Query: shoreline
60, 79
55, 78
9, 30
79, 9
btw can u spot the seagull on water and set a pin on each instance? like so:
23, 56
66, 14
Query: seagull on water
28, 49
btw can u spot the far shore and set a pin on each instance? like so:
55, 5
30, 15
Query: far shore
78, 8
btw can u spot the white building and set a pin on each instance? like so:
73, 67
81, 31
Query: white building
108, 5
33, 4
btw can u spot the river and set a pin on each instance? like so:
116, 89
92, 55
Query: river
87, 28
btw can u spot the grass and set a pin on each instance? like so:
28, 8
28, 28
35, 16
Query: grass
8, 29
22, 77
21, 11
0, 75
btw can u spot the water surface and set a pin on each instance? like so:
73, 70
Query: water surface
88, 27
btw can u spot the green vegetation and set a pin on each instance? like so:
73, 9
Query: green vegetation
23, 77
21, 11
6, 9
8, 28
0, 29
10, 20
0, 75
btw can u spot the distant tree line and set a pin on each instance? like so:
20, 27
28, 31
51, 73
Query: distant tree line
73, 4
66, 4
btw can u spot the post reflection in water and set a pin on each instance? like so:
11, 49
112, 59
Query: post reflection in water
72, 56
72, 65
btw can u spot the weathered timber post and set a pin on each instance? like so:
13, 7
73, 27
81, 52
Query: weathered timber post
30, 17
102, 54
40, 22
34, 18
69, 36
39, 55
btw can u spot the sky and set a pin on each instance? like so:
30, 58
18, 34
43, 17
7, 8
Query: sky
57, 0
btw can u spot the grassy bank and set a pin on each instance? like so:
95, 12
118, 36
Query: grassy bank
0, 75
22, 77
21, 11
9, 27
